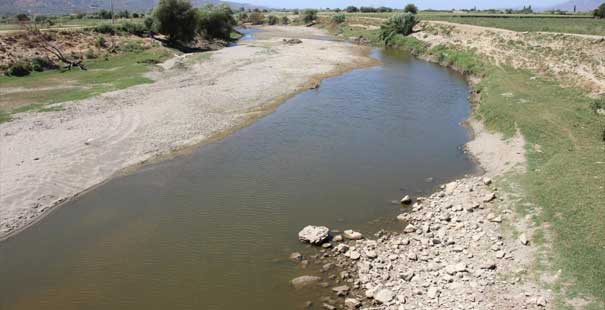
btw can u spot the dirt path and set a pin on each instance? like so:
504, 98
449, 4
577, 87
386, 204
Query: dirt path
47, 158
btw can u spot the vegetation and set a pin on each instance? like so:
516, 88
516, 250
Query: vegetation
600, 11
339, 18
272, 20
309, 15
216, 22
399, 24
256, 18
285, 20
411, 8
176, 19
352, 9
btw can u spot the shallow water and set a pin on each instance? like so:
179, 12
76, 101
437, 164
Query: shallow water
213, 229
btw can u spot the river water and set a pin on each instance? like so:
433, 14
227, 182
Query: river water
213, 229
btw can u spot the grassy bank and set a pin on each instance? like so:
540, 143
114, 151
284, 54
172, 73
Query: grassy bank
39, 89
566, 159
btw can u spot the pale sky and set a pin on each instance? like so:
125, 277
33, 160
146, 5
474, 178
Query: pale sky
422, 4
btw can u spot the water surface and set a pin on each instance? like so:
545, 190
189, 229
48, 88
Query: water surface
213, 229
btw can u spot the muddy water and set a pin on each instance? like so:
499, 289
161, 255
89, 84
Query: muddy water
213, 229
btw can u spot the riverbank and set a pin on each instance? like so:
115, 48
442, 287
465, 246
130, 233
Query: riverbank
196, 99
538, 97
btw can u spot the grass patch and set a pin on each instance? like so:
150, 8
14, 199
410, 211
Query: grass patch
411, 44
36, 91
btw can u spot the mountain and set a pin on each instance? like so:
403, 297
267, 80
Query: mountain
56, 7
581, 5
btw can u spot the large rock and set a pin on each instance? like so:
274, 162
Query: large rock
352, 303
352, 235
304, 281
314, 234
384, 296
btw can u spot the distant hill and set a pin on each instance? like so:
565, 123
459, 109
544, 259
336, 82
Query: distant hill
581, 5
56, 7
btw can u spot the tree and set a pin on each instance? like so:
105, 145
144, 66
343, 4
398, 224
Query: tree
177, 20
272, 20
411, 8
22, 18
339, 18
398, 24
256, 18
600, 11
352, 9
309, 15
216, 23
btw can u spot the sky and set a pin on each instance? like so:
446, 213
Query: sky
422, 4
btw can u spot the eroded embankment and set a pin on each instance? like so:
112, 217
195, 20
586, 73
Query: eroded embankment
50, 157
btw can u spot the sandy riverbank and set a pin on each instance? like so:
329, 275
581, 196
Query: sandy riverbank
47, 158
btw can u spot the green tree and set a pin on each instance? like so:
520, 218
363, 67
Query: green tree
411, 8
398, 24
309, 15
177, 20
600, 11
352, 9
272, 20
216, 23
339, 18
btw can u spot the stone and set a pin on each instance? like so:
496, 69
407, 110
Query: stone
341, 248
342, 290
409, 229
304, 281
337, 238
432, 293
500, 254
487, 181
354, 255
541, 301
488, 266
402, 217
326, 245
413, 256
407, 276
327, 306
371, 254
352, 303
297, 257
314, 234
384, 295
450, 187
352, 235
523, 239
489, 197
453, 269
292, 41
406, 200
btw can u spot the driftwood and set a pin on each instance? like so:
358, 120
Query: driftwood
43, 43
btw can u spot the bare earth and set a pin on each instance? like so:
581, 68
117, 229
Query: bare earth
47, 158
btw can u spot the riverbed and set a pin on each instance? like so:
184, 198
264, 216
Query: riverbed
213, 229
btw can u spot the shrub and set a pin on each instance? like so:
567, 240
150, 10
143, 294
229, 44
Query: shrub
148, 23
90, 54
295, 12
216, 23
20, 68
352, 9
177, 20
285, 20
367, 9
135, 15
242, 17
133, 28
256, 18
22, 18
402, 23
272, 20
597, 105
411, 8
105, 28
40, 64
104, 14
339, 18
100, 42
131, 47
309, 15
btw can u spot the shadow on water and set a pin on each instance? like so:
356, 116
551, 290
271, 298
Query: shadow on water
213, 229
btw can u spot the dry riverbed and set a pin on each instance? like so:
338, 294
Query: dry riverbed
48, 158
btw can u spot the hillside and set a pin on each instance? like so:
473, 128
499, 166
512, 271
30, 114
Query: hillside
581, 5
10, 7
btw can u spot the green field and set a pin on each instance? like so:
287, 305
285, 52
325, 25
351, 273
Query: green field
36, 91
65, 22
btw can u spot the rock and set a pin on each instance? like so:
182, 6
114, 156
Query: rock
304, 281
371, 254
523, 239
489, 197
341, 248
328, 306
500, 254
354, 255
453, 269
352, 235
432, 293
407, 276
384, 296
342, 290
406, 200
413, 256
352, 303
488, 266
487, 181
297, 257
541, 301
402, 217
326, 245
409, 229
450, 187
337, 238
314, 234
292, 41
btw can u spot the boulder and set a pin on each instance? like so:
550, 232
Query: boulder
523, 239
352, 303
384, 295
406, 200
342, 290
314, 234
297, 257
352, 235
304, 281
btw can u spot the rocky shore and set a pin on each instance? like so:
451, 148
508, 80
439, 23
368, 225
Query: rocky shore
451, 254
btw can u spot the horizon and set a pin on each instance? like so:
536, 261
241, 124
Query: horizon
423, 4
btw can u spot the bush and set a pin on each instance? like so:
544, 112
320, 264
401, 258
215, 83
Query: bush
177, 20
105, 28
600, 11
285, 20
131, 47
101, 43
295, 12
148, 23
104, 14
133, 28
411, 8
402, 23
339, 18
216, 23
20, 68
272, 20
40, 64
309, 15
352, 9
90, 54
256, 18
367, 9
22, 18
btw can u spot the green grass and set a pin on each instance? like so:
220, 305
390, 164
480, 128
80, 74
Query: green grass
64, 22
36, 91
566, 178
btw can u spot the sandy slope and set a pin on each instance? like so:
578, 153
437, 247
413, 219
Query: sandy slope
46, 158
